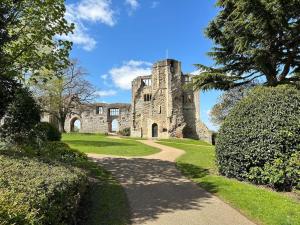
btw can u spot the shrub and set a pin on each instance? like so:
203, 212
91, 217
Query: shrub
125, 132
38, 193
8, 88
20, 119
61, 152
48, 131
260, 139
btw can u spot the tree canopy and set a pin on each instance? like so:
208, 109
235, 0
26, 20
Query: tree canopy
227, 101
66, 93
30, 43
253, 39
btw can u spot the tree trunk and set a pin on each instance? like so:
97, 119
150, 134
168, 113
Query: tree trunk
62, 125
272, 80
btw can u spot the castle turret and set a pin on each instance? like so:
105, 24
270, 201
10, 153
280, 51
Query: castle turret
162, 107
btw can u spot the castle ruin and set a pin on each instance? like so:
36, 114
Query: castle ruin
162, 106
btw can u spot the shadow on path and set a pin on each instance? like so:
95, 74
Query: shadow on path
154, 187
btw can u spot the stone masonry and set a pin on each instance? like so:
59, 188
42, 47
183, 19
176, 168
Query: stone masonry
99, 117
162, 106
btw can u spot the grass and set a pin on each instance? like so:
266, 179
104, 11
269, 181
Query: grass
262, 205
101, 144
105, 202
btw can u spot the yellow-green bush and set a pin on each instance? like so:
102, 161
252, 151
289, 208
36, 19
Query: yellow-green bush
39, 192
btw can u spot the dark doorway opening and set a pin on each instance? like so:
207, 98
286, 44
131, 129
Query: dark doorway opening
75, 125
154, 130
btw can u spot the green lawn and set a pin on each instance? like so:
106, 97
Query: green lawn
101, 144
105, 202
262, 205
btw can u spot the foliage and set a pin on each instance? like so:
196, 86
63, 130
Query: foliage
32, 39
62, 152
62, 95
48, 131
253, 39
8, 88
125, 132
259, 137
39, 193
279, 173
263, 205
227, 101
29, 42
21, 117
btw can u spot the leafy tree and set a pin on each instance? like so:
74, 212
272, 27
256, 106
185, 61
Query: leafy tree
7, 85
34, 27
227, 101
253, 39
64, 95
29, 42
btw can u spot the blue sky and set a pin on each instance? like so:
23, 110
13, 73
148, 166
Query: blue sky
116, 40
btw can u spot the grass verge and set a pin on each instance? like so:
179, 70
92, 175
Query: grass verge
262, 205
105, 202
101, 144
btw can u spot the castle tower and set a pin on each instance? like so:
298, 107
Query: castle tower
162, 107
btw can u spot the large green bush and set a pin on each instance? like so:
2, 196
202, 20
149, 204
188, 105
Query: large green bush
38, 193
48, 132
21, 117
260, 139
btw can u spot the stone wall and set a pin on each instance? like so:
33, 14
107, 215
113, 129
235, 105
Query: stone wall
99, 121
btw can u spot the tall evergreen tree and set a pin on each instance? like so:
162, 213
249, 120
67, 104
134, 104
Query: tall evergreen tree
253, 39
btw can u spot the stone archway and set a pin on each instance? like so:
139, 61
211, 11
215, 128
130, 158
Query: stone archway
75, 124
114, 128
154, 130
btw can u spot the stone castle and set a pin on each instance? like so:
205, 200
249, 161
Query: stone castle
162, 107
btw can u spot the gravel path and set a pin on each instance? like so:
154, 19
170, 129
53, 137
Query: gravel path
159, 195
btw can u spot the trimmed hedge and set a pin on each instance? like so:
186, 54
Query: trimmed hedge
41, 191
260, 139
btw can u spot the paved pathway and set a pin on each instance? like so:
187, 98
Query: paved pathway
159, 195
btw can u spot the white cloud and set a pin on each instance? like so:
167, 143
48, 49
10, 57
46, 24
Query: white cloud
106, 93
154, 4
104, 76
88, 11
134, 4
124, 75
96, 11
196, 72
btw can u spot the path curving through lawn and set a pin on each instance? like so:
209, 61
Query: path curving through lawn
159, 194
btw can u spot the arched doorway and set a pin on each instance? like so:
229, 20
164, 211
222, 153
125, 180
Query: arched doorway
154, 130
115, 125
75, 125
